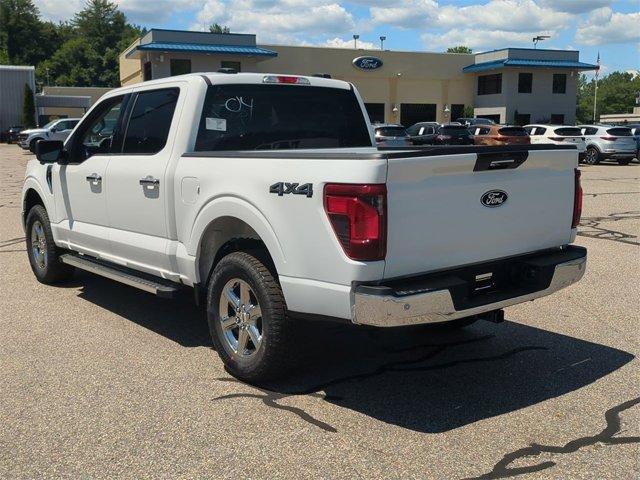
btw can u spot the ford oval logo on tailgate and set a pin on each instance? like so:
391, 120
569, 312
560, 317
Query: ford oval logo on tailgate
494, 198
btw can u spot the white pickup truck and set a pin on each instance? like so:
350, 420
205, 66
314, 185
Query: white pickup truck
266, 195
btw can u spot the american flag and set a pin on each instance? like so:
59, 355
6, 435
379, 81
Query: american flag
598, 63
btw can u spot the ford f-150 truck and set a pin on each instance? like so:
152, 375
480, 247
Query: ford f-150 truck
267, 196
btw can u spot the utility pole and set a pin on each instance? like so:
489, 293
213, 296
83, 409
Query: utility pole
355, 41
382, 39
595, 89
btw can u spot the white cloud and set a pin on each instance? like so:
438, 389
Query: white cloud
296, 21
476, 39
404, 13
58, 11
341, 43
574, 6
605, 26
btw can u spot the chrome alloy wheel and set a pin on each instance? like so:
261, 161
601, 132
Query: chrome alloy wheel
240, 318
38, 244
591, 156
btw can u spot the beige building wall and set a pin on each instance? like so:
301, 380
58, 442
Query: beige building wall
130, 68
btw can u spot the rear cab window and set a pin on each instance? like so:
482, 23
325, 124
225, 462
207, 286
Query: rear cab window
265, 117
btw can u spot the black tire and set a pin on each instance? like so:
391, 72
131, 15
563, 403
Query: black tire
592, 156
272, 358
32, 145
51, 270
624, 161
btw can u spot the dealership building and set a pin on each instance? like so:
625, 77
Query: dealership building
507, 85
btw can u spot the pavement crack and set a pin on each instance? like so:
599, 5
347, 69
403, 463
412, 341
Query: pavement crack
591, 227
607, 437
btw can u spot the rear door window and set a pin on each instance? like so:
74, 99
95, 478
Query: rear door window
513, 132
263, 117
150, 121
619, 132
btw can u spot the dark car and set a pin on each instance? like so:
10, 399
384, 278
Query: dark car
12, 133
474, 121
453, 135
423, 133
635, 131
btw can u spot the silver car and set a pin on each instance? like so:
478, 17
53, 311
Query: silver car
58, 129
391, 135
608, 142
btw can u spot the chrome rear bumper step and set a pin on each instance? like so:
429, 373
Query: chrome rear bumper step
148, 283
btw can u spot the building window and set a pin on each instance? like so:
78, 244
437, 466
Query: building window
375, 111
229, 64
525, 82
457, 110
180, 66
522, 118
559, 83
557, 118
490, 84
412, 113
146, 71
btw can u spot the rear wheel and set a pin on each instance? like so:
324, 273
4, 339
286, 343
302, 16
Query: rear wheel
42, 251
592, 156
247, 319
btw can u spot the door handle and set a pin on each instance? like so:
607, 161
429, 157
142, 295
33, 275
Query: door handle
149, 181
94, 177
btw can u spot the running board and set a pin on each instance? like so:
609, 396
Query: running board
128, 276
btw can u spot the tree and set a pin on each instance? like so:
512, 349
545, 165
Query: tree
616, 94
469, 111
20, 29
459, 49
28, 108
217, 28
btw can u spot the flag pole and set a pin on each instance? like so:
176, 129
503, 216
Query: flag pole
595, 90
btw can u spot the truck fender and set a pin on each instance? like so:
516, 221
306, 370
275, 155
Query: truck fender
242, 210
32, 183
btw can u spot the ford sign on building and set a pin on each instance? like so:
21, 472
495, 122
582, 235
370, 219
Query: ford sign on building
367, 63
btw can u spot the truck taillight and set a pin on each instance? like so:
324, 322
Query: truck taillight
358, 215
577, 200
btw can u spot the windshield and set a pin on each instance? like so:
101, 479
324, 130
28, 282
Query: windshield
391, 131
263, 117
513, 131
568, 132
50, 123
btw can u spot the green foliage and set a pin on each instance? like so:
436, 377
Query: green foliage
468, 111
616, 94
28, 108
217, 28
82, 52
459, 49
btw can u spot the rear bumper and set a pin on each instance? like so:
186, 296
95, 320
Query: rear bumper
465, 292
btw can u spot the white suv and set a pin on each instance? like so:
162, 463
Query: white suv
58, 129
559, 135
608, 141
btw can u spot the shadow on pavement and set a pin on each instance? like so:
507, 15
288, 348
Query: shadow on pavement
420, 378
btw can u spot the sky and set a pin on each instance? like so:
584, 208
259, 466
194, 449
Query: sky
608, 27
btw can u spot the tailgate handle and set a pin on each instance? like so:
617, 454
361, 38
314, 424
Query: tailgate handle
500, 161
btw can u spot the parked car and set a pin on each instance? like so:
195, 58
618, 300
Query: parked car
391, 135
54, 130
499, 135
12, 133
635, 130
453, 135
321, 225
474, 121
558, 135
423, 133
608, 142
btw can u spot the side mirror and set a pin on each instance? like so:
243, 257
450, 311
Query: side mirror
49, 151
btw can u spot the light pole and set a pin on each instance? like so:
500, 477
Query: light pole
355, 41
382, 39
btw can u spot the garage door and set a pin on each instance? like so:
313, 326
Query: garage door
411, 113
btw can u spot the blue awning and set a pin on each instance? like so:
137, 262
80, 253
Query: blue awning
516, 62
205, 48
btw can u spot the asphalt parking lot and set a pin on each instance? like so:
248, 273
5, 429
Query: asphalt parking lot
98, 380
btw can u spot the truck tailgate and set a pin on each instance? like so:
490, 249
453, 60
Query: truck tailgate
436, 219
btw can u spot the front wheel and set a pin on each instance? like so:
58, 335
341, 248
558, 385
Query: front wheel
592, 156
247, 319
41, 249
